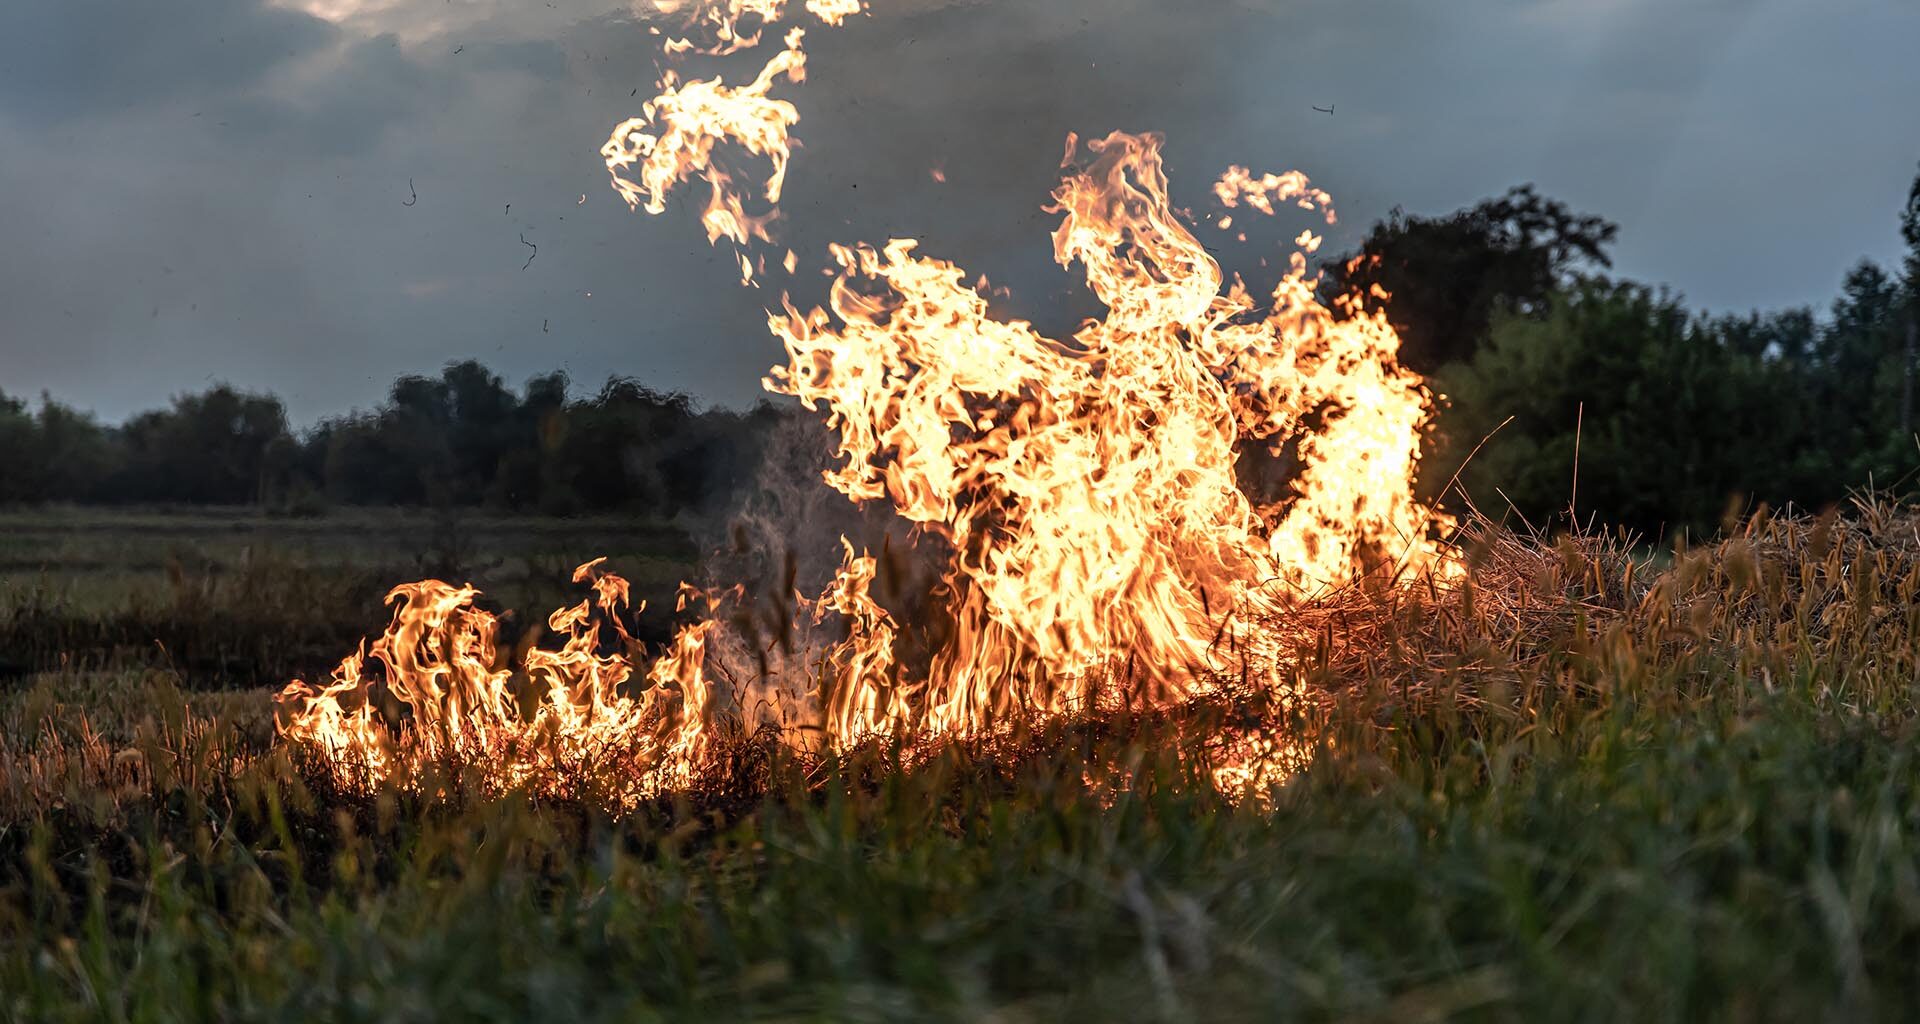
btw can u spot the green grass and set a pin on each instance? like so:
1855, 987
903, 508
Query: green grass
1578, 790
99, 560
237, 599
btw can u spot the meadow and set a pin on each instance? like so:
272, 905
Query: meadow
236, 598
1590, 784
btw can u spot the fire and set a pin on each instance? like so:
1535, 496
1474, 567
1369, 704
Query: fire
675, 141
1089, 484
556, 714
1103, 551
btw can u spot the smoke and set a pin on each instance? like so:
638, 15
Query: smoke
779, 545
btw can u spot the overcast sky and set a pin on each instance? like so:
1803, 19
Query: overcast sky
203, 190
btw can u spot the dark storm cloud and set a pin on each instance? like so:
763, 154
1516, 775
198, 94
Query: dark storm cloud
1751, 151
540, 58
86, 58
370, 86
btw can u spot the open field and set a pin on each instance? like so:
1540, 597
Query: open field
1578, 789
238, 599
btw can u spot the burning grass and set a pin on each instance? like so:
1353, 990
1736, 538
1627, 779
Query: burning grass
1579, 785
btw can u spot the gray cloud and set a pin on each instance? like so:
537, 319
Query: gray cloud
1751, 151
88, 58
367, 88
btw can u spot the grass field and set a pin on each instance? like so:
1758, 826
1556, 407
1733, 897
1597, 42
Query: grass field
237, 599
1578, 789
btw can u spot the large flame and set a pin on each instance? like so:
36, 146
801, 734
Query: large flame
1089, 485
1102, 547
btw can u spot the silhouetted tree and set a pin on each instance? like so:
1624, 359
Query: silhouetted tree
480, 431
1910, 347
18, 439
1678, 420
1863, 370
1449, 275
609, 456
522, 479
364, 465
210, 448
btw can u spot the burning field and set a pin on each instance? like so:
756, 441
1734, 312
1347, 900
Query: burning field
1120, 674
1571, 779
1080, 498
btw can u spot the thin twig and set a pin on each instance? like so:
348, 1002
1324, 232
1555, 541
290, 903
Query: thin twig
1463, 465
1515, 509
1579, 419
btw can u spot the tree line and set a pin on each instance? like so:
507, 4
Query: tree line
462, 438
1566, 390
1569, 390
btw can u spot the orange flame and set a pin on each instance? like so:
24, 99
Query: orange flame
1103, 549
1089, 485
675, 137
440, 665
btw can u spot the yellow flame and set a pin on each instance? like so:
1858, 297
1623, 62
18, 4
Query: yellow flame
563, 711
1103, 549
675, 139
1089, 485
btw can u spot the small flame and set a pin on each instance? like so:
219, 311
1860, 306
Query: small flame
439, 664
675, 138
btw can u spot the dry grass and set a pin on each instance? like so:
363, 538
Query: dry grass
1537, 627
1578, 784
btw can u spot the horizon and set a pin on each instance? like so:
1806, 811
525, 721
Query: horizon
332, 193
579, 388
